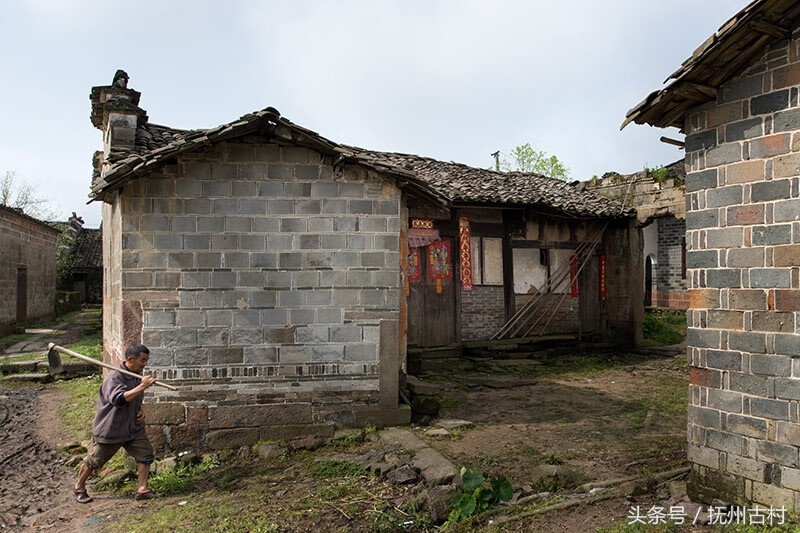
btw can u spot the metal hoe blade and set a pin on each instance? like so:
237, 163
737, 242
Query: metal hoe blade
54, 361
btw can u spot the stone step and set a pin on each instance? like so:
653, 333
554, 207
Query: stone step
28, 378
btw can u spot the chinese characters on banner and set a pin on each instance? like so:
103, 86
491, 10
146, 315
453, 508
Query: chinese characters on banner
602, 276
573, 275
414, 268
439, 267
465, 249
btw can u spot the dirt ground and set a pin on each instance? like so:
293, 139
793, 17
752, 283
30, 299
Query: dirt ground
614, 419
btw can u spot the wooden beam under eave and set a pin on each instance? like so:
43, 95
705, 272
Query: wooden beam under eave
729, 70
770, 29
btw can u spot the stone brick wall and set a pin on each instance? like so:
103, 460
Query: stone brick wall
562, 314
652, 199
671, 286
259, 274
743, 200
482, 312
26, 243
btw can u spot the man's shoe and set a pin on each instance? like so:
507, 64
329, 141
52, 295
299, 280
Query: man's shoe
82, 496
149, 495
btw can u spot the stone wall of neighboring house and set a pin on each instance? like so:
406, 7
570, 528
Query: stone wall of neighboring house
743, 199
670, 284
266, 283
659, 198
28, 250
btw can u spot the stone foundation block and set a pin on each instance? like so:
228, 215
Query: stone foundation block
292, 431
165, 413
385, 417
238, 416
231, 438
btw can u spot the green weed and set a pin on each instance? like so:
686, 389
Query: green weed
662, 328
333, 469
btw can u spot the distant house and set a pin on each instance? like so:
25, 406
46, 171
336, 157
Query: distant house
80, 254
27, 269
278, 276
736, 99
658, 195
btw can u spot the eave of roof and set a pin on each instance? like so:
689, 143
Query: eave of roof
20, 213
428, 180
717, 60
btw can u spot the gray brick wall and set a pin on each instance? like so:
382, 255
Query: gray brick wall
251, 261
482, 312
743, 245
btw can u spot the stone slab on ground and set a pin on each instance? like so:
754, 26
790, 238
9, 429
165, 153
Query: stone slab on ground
453, 423
434, 468
402, 439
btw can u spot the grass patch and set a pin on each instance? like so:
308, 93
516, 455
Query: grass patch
225, 514
77, 413
10, 340
333, 469
662, 328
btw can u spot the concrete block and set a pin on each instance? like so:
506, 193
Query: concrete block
701, 141
770, 146
273, 189
724, 441
772, 365
747, 341
745, 172
724, 277
210, 224
747, 426
770, 277
745, 215
774, 452
744, 129
787, 388
351, 190
298, 190
770, 102
767, 408
280, 242
749, 384
280, 207
334, 206
294, 225
333, 242
312, 334
264, 260
745, 257
274, 317
197, 242
248, 337
782, 322
280, 172
307, 279
747, 299
199, 206
219, 317
302, 316
723, 154
250, 279
361, 207
725, 400
360, 352
225, 355
214, 336
294, 354
724, 360
190, 356
259, 355
223, 280
788, 120
266, 225
772, 234
224, 242
787, 344
322, 353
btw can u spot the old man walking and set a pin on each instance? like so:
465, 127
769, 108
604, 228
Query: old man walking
119, 423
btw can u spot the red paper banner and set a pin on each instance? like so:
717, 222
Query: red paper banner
439, 260
602, 276
465, 249
414, 272
573, 275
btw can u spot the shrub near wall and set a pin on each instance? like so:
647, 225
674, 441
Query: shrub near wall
67, 302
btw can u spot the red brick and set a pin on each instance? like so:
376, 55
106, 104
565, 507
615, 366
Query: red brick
770, 146
704, 377
787, 300
788, 255
786, 76
746, 214
746, 172
703, 298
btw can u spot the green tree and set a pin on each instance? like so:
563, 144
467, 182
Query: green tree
526, 159
17, 194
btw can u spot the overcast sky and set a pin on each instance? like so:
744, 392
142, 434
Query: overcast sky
455, 80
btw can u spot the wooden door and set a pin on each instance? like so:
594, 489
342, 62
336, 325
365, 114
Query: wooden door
22, 296
589, 295
432, 315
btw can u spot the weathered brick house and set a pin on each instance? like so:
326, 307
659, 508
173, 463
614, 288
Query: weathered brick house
27, 269
736, 99
658, 197
269, 268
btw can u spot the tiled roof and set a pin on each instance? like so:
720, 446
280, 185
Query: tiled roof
89, 248
22, 214
434, 181
717, 60
151, 136
464, 184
